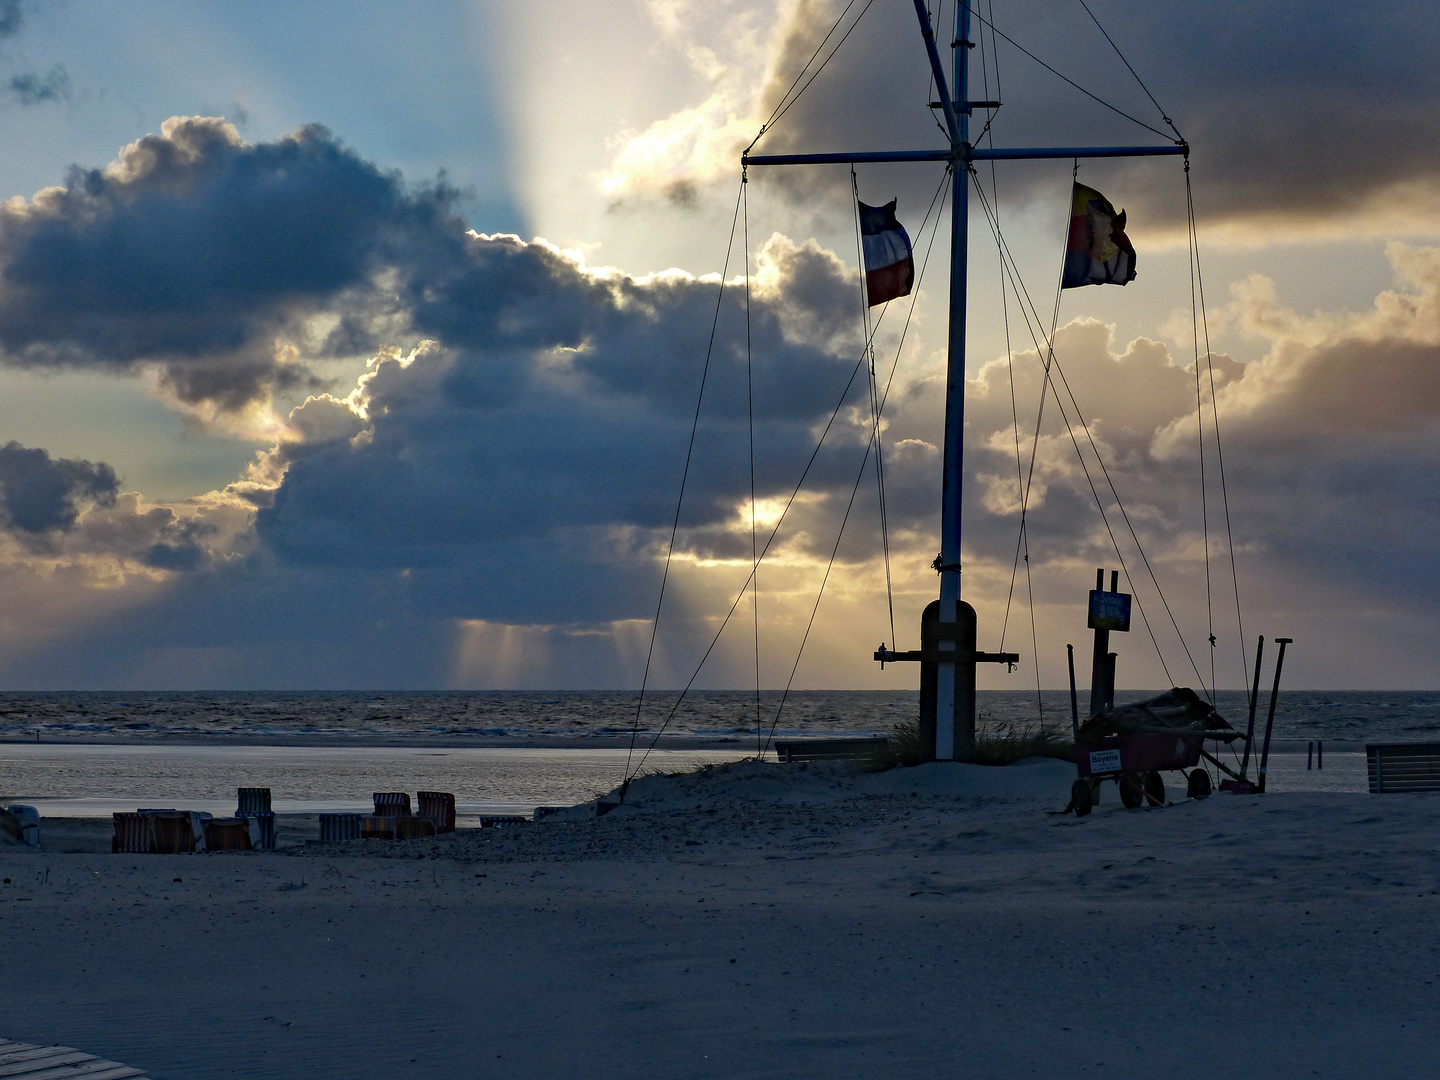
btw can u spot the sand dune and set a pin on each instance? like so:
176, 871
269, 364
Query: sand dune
763, 921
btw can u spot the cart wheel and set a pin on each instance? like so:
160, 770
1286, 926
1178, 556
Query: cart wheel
1197, 784
1154, 785
1081, 798
1132, 790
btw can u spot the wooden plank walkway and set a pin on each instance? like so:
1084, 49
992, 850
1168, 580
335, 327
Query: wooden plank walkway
21, 1061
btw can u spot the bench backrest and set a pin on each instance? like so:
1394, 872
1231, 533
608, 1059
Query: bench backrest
829, 749
1403, 767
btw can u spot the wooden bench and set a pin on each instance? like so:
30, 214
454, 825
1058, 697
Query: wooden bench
830, 749
1403, 767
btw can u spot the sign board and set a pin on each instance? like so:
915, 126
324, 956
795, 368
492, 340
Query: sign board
1109, 610
1103, 761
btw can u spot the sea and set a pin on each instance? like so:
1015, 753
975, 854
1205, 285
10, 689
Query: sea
91, 753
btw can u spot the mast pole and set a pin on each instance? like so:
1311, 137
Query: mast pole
947, 635
955, 689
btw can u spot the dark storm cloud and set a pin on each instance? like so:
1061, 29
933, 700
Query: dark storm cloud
40, 494
196, 251
71, 509
558, 418
1298, 113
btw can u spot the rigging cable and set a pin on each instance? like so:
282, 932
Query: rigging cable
1018, 284
684, 478
942, 194
1215, 412
874, 389
1113, 108
1022, 539
1200, 439
786, 101
784, 513
1168, 122
750, 408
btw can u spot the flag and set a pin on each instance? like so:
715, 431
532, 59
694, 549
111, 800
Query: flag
1099, 252
889, 263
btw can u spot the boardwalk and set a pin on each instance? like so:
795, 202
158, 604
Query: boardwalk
21, 1061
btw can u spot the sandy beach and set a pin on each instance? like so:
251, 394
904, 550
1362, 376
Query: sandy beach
761, 921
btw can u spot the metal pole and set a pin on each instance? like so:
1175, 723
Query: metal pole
955, 726
1254, 697
1270, 720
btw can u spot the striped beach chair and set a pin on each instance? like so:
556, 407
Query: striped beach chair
411, 828
377, 827
132, 834
227, 834
337, 827
439, 806
252, 800
392, 804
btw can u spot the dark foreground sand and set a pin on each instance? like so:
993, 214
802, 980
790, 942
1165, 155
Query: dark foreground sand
759, 921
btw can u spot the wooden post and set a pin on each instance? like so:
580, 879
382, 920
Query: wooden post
1098, 662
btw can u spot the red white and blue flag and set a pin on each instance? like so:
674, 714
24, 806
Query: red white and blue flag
1099, 252
889, 261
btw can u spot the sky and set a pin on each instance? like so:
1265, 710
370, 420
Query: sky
359, 346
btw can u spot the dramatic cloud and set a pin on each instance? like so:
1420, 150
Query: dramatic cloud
68, 513
506, 468
1306, 120
550, 421
39, 494
215, 262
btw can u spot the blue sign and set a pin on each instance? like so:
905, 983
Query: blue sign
1109, 610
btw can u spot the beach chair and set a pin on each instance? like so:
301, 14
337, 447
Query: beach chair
262, 829
377, 827
439, 806
337, 827
132, 834
411, 828
227, 834
252, 800
175, 832
392, 804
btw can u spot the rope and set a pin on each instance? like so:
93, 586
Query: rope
1215, 411
684, 479
1052, 361
1200, 439
1168, 122
894, 365
1113, 108
1022, 539
791, 501
750, 408
786, 101
874, 404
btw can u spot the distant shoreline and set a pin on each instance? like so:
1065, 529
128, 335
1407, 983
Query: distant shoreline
536, 742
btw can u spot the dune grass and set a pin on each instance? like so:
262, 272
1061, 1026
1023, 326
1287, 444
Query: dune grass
1002, 745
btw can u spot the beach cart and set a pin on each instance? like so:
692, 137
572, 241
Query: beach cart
1133, 744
